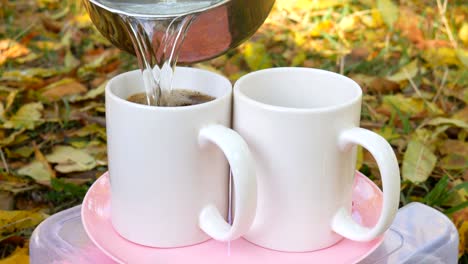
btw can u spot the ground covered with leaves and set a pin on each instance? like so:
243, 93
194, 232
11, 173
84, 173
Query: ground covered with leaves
411, 59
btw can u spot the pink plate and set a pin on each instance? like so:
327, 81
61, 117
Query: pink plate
367, 201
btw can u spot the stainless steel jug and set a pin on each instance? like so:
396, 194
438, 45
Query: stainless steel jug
216, 29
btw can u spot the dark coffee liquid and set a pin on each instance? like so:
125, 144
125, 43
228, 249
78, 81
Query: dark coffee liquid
176, 97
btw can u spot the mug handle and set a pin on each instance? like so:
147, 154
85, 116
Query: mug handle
244, 180
342, 223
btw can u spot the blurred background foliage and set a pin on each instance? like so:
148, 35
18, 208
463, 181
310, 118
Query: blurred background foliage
410, 57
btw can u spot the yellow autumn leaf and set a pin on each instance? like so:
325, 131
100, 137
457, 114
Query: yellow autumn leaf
409, 105
256, 56
388, 133
5, 141
418, 162
12, 221
29, 116
309, 4
299, 59
48, 45
30, 74
448, 121
408, 71
359, 157
49, 4
10, 49
462, 55
463, 33
81, 21
321, 27
38, 171
373, 20
441, 56
19, 256
70, 159
300, 38
388, 11
463, 236
347, 23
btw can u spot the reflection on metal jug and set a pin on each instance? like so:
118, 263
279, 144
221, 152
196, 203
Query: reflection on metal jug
216, 29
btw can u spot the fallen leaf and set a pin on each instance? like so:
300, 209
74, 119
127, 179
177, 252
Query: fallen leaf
463, 237
347, 23
462, 115
388, 133
11, 138
7, 200
37, 171
70, 61
359, 158
448, 121
383, 85
91, 94
441, 56
374, 20
92, 68
293, 5
11, 99
321, 27
463, 33
88, 130
40, 157
21, 152
11, 221
70, 159
62, 88
256, 56
454, 161
46, 45
418, 162
32, 78
407, 72
10, 49
19, 256
298, 59
81, 21
28, 58
388, 11
28, 117
48, 4
463, 56
409, 105
409, 24
454, 146
51, 24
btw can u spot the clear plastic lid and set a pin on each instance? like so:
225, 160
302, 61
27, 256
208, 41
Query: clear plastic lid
419, 234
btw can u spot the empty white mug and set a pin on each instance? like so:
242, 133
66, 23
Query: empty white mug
168, 170
302, 126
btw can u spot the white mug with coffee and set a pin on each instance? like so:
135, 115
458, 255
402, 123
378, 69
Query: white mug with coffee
168, 170
302, 126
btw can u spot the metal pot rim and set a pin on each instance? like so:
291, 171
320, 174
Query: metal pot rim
199, 10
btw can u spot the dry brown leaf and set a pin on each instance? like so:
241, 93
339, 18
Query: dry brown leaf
51, 25
454, 146
62, 88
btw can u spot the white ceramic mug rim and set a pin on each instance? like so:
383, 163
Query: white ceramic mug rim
239, 94
226, 93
